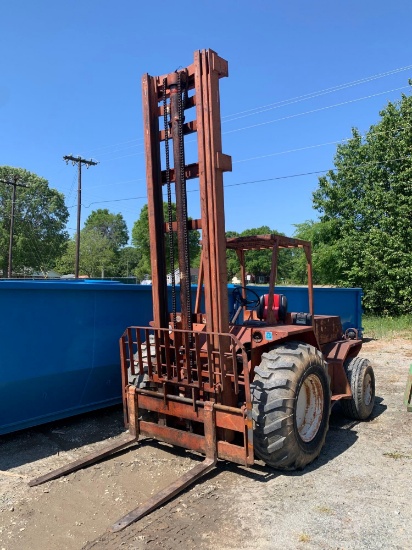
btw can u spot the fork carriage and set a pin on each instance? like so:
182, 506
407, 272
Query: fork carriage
183, 376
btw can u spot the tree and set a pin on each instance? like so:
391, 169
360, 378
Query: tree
97, 257
100, 240
128, 260
366, 202
326, 257
111, 226
232, 262
141, 240
39, 224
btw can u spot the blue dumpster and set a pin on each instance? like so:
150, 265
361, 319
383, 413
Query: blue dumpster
59, 351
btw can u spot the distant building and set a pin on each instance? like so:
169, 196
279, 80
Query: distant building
194, 276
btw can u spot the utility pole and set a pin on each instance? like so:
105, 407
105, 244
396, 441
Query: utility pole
79, 161
14, 181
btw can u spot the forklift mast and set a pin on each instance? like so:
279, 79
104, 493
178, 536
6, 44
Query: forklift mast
166, 100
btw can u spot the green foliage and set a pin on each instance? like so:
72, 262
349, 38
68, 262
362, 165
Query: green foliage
128, 260
100, 241
97, 254
232, 262
111, 226
97, 257
366, 206
141, 240
39, 226
326, 257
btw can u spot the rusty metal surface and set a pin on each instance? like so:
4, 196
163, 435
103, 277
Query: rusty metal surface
328, 328
150, 90
203, 360
189, 370
274, 242
336, 353
209, 69
86, 461
261, 242
339, 350
166, 494
161, 93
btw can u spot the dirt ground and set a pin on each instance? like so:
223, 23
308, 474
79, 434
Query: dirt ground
357, 495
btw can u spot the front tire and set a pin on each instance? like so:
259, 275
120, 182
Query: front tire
291, 405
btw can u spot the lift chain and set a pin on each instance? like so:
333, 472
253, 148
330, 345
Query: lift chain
169, 205
184, 196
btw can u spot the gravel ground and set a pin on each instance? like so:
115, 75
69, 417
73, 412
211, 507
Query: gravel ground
357, 495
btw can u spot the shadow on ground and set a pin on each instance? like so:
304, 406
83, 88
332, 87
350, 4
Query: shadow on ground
46, 440
49, 439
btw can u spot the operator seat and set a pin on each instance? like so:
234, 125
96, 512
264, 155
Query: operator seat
280, 307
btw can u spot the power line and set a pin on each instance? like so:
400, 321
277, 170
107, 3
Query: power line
282, 118
285, 102
288, 176
292, 150
277, 104
114, 145
378, 132
124, 156
119, 150
278, 153
314, 110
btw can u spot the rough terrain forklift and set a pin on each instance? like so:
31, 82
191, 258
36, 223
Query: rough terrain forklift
257, 383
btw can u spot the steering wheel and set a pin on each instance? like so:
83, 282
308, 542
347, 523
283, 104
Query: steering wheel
247, 300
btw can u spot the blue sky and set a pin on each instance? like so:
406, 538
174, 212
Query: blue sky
71, 84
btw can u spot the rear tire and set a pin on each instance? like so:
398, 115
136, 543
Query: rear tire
291, 405
361, 379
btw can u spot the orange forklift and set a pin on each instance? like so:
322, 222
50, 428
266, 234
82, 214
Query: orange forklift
257, 384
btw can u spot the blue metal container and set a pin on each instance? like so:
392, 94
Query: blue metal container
59, 351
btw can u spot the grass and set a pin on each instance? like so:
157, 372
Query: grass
396, 455
303, 537
387, 327
324, 509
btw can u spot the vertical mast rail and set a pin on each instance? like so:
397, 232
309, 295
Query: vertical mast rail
202, 76
155, 200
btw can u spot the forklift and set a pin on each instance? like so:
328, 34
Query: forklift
256, 383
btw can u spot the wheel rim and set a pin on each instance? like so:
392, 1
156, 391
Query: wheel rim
309, 408
367, 390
